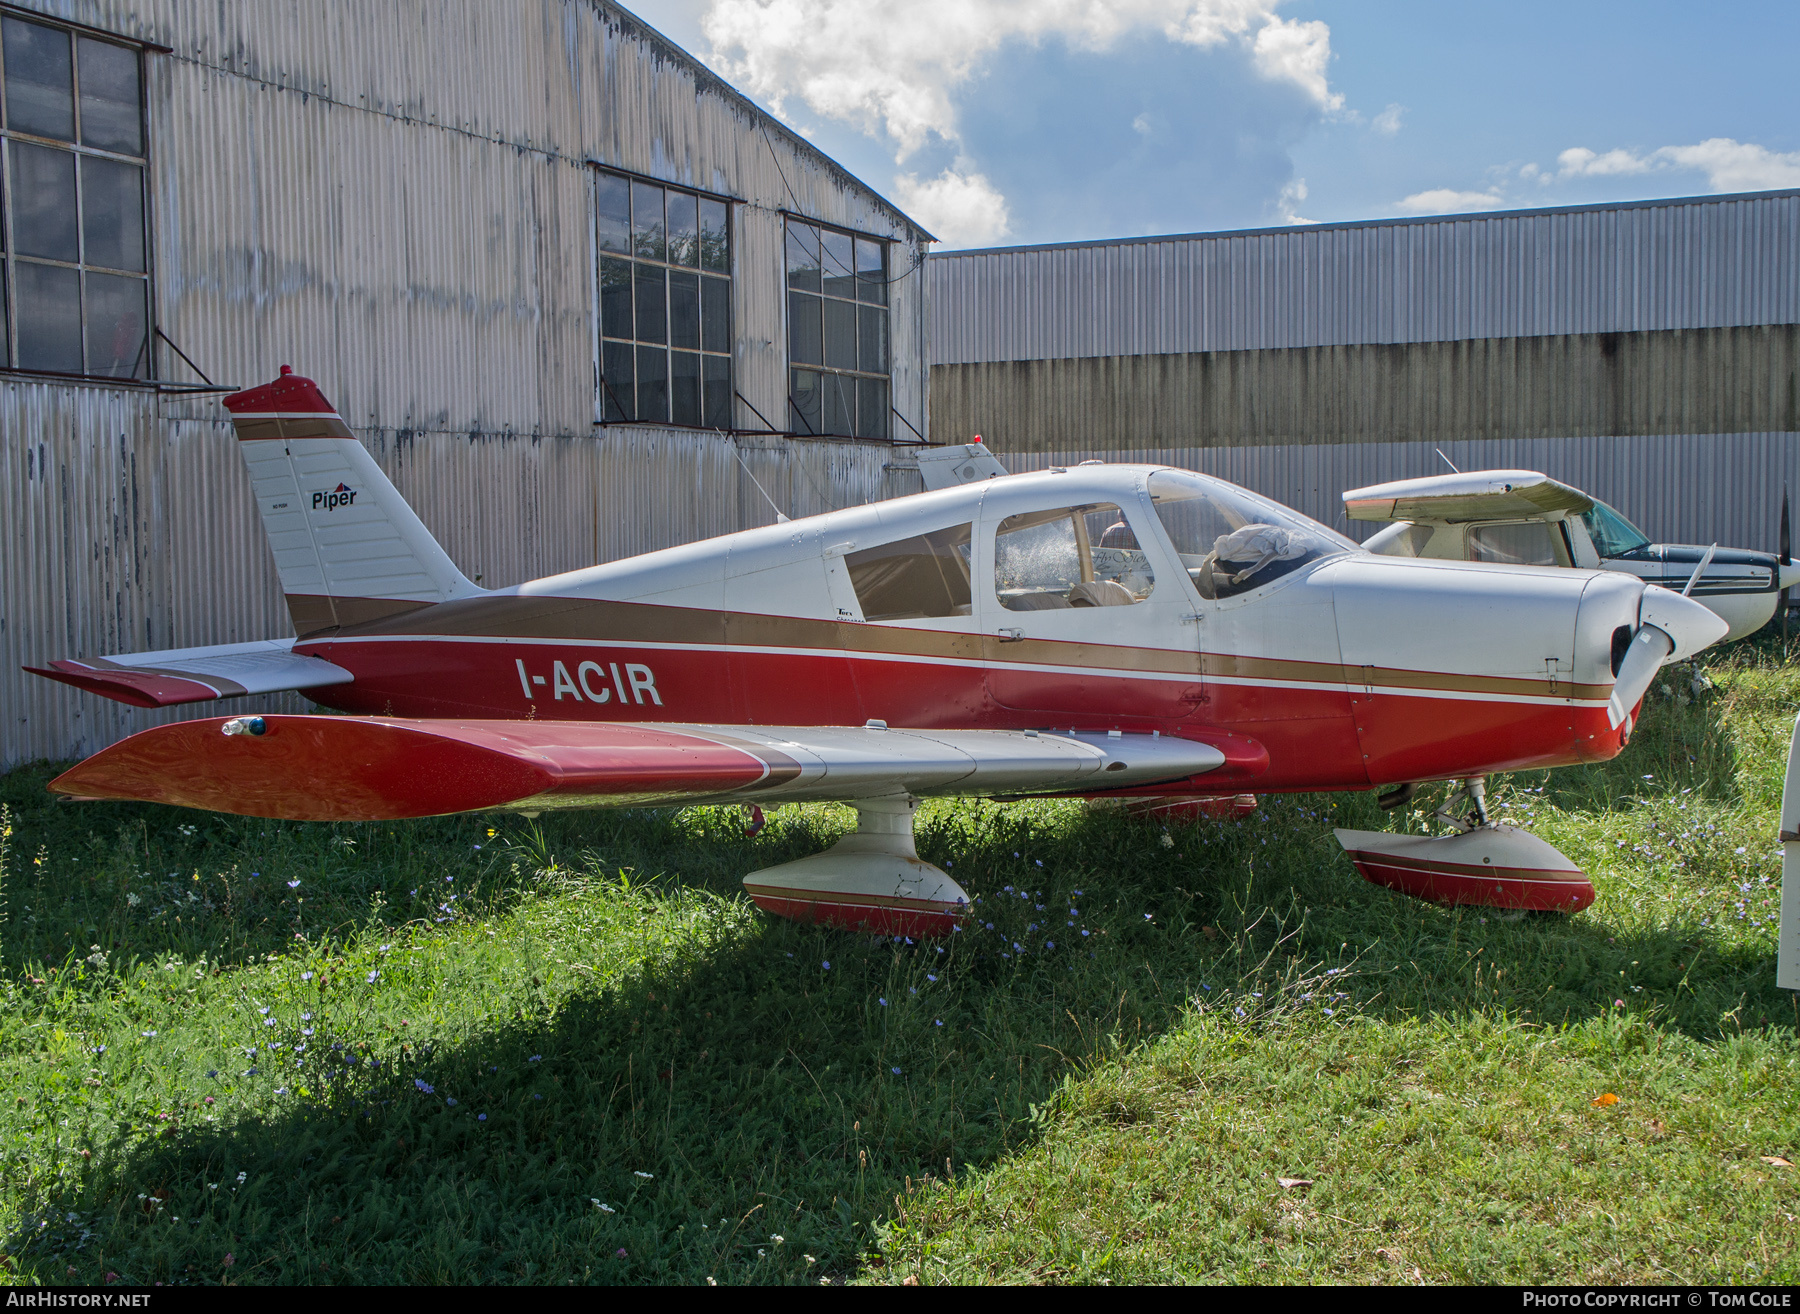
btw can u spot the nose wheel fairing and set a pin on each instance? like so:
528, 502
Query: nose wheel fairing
1491, 866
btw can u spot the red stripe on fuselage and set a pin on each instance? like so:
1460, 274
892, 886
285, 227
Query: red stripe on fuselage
1317, 738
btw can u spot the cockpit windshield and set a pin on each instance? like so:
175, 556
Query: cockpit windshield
1613, 534
1230, 540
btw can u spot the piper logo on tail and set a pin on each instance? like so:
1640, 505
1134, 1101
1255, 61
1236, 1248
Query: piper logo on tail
342, 495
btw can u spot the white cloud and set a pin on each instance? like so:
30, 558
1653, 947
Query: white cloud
1729, 165
1291, 196
961, 208
1579, 161
1387, 123
1291, 51
1142, 125
894, 71
1446, 200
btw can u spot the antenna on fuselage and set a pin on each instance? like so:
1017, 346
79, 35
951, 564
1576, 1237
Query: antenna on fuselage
1446, 460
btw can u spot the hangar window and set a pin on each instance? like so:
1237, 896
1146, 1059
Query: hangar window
838, 383
76, 295
1074, 556
665, 304
927, 575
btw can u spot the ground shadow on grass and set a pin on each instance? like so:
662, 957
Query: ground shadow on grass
762, 1080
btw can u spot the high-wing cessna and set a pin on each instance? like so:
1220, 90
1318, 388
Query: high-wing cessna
1527, 518
1101, 631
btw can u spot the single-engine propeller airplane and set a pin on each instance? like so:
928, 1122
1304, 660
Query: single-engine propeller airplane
1102, 631
1528, 518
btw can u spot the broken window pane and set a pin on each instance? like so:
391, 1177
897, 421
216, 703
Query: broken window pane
112, 213
49, 318
43, 201
110, 114
40, 91
117, 327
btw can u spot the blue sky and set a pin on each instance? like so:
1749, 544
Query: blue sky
1062, 120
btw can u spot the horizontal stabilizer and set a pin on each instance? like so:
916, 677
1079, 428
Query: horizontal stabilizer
1475, 495
197, 675
340, 768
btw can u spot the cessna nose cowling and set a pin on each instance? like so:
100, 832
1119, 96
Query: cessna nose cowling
1670, 628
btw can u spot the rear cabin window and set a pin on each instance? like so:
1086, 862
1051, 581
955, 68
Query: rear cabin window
1073, 556
1527, 543
915, 578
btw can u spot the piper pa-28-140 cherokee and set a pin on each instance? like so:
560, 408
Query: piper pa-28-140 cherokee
1105, 631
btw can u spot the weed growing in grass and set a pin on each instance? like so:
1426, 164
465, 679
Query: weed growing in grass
484, 1049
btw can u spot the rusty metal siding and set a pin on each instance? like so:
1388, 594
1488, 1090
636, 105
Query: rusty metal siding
396, 199
1703, 263
1730, 492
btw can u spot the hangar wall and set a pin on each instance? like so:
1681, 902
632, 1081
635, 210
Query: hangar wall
1648, 352
396, 199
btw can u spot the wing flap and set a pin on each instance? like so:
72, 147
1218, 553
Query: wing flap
1476, 495
336, 768
197, 675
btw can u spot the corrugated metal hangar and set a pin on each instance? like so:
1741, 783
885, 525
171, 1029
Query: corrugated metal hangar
1648, 353
578, 297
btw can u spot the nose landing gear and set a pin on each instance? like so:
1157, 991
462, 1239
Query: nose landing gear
1486, 864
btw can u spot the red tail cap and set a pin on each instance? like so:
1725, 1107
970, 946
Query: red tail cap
290, 394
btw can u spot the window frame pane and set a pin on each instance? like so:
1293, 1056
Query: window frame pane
18, 35
89, 72
852, 352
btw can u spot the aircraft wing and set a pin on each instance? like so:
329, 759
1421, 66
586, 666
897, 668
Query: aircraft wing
197, 675
1476, 495
340, 768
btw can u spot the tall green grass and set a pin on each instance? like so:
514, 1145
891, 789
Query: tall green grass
480, 1049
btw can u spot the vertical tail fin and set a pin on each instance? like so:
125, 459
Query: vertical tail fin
347, 546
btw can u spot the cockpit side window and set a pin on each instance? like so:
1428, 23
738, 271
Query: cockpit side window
1613, 534
1230, 540
1071, 556
914, 578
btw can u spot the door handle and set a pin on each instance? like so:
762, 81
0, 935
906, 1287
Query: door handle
1011, 636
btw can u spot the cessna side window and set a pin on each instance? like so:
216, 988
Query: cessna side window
837, 332
1527, 543
1229, 539
927, 575
1074, 556
75, 297
665, 304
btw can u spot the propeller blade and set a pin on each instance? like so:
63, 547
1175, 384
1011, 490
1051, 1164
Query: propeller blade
1643, 659
1700, 570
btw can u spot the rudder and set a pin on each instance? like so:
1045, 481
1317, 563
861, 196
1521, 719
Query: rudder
347, 546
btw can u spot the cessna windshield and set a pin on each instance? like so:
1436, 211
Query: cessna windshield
1613, 534
1232, 541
